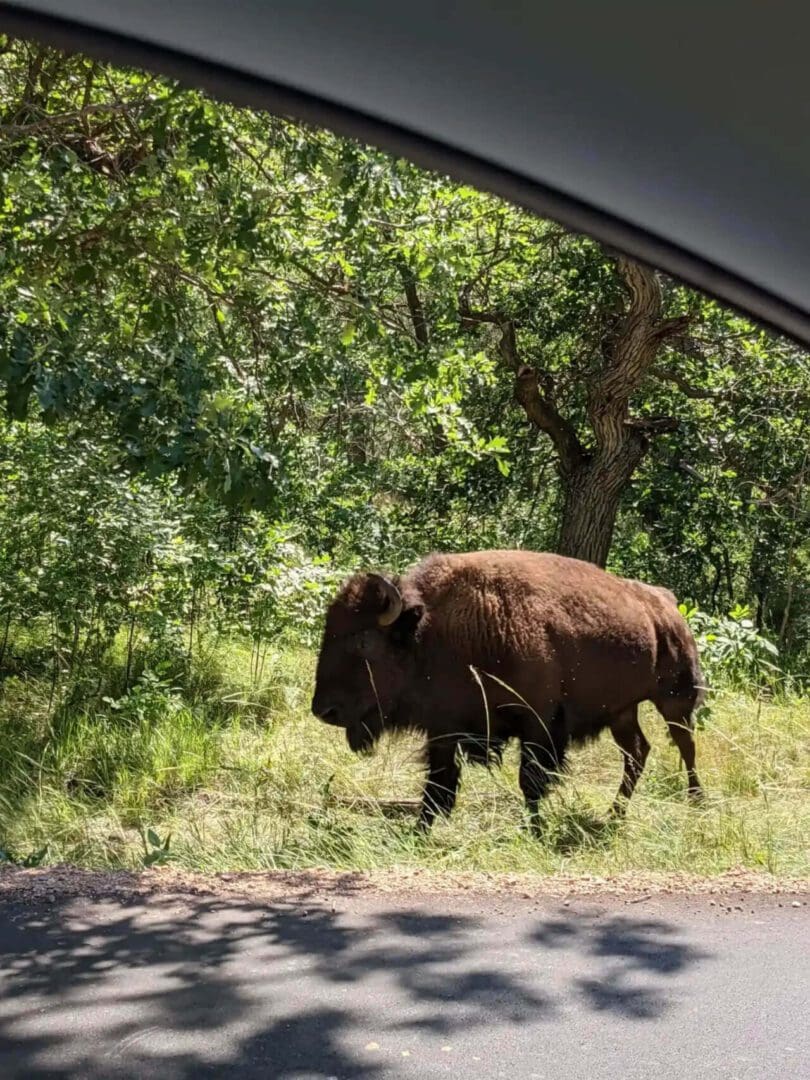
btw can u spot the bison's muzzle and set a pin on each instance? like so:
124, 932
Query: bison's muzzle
361, 732
328, 713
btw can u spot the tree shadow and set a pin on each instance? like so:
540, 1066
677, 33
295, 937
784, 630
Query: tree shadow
177, 986
632, 957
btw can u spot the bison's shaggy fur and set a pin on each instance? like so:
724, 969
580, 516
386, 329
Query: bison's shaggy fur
475, 649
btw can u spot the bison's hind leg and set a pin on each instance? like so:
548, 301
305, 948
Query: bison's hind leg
678, 713
627, 732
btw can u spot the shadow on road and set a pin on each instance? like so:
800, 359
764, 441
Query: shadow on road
176, 987
622, 948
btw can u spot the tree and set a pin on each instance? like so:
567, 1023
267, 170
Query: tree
594, 477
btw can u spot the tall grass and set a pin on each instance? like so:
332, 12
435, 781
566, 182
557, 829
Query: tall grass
240, 776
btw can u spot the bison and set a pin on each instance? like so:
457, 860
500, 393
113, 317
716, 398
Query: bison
472, 650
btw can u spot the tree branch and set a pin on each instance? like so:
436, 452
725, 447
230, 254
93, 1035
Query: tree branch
682, 465
533, 389
698, 393
416, 308
53, 119
629, 355
673, 327
414, 302
543, 414
652, 425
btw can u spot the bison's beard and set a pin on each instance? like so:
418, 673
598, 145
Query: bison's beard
362, 735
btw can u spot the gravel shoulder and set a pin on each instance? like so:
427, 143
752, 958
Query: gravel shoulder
736, 888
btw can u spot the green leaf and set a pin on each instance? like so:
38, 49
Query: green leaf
84, 273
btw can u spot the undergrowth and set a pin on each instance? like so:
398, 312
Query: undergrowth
233, 773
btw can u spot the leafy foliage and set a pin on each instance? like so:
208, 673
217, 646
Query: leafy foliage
240, 357
156, 852
732, 651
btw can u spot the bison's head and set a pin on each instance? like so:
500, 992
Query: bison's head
366, 655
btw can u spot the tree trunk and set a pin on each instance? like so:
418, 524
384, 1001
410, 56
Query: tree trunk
590, 505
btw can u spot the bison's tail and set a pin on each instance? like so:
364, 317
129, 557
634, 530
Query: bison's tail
700, 685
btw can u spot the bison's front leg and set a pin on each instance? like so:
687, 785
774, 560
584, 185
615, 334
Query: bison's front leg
442, 781
536, 775
542, 759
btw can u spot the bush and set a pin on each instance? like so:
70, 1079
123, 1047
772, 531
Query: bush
732, 651
298, 589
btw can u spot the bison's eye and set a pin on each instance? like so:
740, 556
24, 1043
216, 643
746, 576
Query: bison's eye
361, 642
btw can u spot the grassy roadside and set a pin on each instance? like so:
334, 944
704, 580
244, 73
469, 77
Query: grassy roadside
245, 779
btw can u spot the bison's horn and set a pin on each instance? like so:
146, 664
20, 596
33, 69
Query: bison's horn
393, 601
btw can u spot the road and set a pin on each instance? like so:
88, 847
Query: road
376, 986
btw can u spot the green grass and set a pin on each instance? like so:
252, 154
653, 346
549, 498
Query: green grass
245, 778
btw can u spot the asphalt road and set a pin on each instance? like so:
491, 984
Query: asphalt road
372, 987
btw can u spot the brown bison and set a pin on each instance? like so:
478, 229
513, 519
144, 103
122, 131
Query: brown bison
475, 649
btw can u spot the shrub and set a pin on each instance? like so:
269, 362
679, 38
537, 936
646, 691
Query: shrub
734, 654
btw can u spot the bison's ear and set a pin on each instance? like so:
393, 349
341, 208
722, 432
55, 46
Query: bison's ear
397, 618
404, 629
390, 600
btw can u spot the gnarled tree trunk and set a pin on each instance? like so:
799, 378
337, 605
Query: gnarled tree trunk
590, 504
595, 473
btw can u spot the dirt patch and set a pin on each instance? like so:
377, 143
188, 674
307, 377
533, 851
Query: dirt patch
49, 884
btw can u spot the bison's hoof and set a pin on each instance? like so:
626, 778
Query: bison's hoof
536, 826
